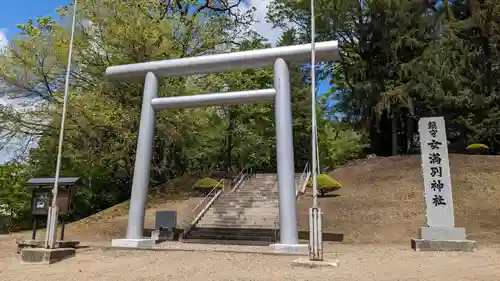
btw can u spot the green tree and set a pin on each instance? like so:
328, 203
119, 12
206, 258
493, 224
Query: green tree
339, 144
14, 200
378, 39
455, 78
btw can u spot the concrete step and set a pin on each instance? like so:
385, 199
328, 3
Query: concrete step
243, 196
238, 234
226, 242
253, 216
260, 182
255, 189
259, 187
254, 219
246, 203
250, 194
237, 223
246, 198
238, 217
243, 206
236, 197
247, 212
237, 208
263, 177
242, 209
232, 236
240, 213
242, 218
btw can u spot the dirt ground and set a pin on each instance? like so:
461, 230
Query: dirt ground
371, 262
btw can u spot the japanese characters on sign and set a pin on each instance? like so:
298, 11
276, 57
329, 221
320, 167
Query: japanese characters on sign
436, 172
436, 169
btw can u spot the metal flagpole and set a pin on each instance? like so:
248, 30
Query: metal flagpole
315, 233
50, 237
313, 105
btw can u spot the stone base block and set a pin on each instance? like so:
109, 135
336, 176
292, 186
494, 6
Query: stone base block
443, 233
305, 262
45, 256
133, 243
443, 245
288, 248
21, 244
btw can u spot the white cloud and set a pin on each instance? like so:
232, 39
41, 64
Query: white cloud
262, 27
3, 39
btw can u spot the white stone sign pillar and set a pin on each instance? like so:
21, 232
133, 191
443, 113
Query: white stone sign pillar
436, 172
440, 233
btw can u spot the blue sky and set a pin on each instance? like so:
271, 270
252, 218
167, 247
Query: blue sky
19, 11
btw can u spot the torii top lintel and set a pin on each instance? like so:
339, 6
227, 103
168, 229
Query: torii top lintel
325, 51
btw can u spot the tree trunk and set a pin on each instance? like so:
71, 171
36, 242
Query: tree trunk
229, 142
409, 126
394, 131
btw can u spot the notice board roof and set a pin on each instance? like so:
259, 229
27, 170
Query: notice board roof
43, 182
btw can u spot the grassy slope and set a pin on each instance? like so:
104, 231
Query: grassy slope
381, 201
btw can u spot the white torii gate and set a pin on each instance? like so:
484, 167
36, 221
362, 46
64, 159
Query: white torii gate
281, 93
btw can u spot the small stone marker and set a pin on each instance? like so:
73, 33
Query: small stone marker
440, 233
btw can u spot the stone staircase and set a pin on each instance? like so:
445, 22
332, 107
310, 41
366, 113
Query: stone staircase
248, 215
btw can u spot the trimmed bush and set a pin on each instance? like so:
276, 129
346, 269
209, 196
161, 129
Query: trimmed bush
206, 183
478, 148
325, 184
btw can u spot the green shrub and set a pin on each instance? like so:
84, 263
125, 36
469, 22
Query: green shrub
325, 184
339, 145
477, 148
206, 183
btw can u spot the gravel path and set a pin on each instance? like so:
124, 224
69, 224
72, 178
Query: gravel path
357, 262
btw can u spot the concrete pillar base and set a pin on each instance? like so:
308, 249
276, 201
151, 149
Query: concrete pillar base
289, 248
443, 239
443, 233
133, 243
45, 256
21, 244
305, 262
443, 245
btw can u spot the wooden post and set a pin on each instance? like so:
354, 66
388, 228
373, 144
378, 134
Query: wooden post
33, 233
62, 227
